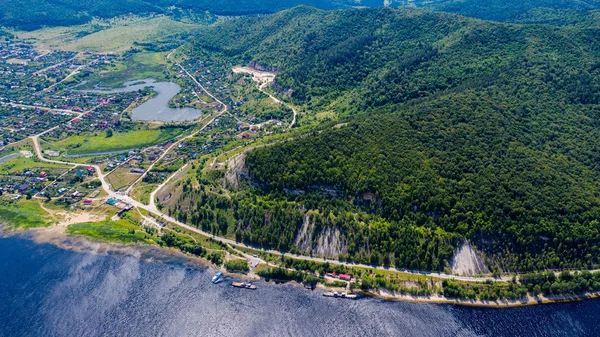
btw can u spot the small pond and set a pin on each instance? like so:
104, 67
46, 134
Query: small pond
156, 108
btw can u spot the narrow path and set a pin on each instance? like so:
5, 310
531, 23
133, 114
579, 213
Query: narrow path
46, 52
41, 108
54, 65
263, 79
73, 73
276, 100
152, 202
53, 182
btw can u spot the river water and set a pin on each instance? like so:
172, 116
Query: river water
156, 108
48, 291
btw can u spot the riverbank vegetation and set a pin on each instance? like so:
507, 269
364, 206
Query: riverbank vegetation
187, 244
123, 231
23, 214
237, 266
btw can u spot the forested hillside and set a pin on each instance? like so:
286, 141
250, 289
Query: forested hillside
457, 128
33, 14
503, 10
370, 58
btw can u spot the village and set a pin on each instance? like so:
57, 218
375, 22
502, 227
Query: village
70, 139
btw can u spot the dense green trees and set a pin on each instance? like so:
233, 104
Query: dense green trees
362, 59
33, 14
237, 266
187, 245
508, 10
460, 129
565, 283
483, 177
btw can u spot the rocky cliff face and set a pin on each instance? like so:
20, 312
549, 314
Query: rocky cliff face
467, 261
327, 242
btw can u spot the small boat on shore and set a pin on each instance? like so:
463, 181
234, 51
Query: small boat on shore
245, 285
217, 278
341, 295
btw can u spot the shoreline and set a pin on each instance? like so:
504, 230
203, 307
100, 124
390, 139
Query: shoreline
56, 236
500, 304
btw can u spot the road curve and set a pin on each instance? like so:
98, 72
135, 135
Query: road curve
220, 113
152, 208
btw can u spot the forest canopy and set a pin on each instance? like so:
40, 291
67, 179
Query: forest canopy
456, 128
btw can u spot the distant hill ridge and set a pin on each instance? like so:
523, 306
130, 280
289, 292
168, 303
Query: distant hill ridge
33, 14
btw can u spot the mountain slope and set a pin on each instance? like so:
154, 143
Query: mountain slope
503, 10
33, 14
387, 56
456, 128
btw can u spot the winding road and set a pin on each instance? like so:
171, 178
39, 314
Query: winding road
263, 79
151, 208
220, 113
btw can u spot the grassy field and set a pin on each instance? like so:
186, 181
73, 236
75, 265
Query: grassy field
23, 163
24, 214
141, 192
121, 231
24, 144
90, 143
114, 35
121, 178
136, 67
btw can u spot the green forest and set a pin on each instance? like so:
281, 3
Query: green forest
448, 128
509, 10
34, 14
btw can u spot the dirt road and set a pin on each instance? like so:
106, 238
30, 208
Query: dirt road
263, 79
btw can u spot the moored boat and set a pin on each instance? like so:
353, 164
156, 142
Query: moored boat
217, 278
340, 295
245, 285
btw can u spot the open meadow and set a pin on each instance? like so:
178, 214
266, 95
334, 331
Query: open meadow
109, 36
93, 143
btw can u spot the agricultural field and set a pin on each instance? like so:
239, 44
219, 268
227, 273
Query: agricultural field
121, 178
28, 163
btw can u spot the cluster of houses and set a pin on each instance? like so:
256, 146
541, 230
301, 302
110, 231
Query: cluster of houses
51, 182
17, 123
25, 70
27, 181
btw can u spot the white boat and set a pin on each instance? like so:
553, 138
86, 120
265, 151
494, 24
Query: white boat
217, 278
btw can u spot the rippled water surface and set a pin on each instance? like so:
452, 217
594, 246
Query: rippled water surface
47, 291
